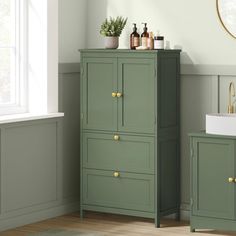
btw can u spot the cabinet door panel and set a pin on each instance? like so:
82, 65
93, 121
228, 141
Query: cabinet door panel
213, 164
130, 153
99, 81
136, 106
128, 191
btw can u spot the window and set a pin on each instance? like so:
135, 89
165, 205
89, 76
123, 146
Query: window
28, 56
13, 94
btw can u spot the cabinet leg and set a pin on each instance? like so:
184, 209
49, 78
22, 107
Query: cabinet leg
157, 223
81, 214
177, 216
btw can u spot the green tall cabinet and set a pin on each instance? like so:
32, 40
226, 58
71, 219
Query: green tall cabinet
213, 182
130, 132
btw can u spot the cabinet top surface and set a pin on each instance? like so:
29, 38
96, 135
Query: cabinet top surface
203, 134
130, 51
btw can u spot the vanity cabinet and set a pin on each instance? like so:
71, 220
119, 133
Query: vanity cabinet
213, 182
130, 132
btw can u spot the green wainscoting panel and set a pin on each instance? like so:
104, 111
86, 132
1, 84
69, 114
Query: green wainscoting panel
128, 191
69, 103
100, 81
129, 153
224, 82
31, 172
199, 96
30, 166
136, 111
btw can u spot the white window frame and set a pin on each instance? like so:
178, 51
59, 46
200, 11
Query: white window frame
19, 105
38, 88
43, 69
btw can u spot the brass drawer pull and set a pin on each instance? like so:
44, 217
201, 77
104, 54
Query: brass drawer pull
114, 95
119, 95
231, 180
116, 137
116, 174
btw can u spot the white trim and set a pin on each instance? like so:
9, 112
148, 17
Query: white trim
18, 103
28, 117
43, 68
37, 56
52, 55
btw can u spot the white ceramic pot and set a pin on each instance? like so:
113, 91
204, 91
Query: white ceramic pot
111, 42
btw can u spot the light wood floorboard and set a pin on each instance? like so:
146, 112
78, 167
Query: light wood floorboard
109, 225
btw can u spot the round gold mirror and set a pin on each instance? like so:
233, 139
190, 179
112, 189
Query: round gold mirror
227, 13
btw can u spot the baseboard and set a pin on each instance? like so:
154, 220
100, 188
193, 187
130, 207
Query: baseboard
184, 213
33, 217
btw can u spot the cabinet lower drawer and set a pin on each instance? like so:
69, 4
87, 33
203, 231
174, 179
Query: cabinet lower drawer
127, 191
128, 153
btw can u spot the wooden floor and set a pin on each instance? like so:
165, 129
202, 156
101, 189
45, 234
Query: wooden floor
108, 225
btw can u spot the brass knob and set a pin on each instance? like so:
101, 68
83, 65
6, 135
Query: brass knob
116, 137
114, 95
231, 180
116, 174
119, 95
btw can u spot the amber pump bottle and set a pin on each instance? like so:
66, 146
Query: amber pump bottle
134, 38
144, 35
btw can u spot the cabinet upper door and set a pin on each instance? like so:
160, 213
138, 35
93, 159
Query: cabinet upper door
212, 166
99, 82
136, 78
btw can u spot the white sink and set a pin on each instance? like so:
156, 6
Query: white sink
223, 124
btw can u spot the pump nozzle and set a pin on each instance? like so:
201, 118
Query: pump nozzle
145, 27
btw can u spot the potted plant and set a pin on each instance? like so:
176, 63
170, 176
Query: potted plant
112, 29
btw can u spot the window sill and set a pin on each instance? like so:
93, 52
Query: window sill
28, 117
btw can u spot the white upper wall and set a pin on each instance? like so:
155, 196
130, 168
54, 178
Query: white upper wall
72, 29
188, 24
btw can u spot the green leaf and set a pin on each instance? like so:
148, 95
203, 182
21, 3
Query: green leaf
113, 26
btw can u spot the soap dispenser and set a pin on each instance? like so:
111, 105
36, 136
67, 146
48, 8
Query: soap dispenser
134, 38
144, 35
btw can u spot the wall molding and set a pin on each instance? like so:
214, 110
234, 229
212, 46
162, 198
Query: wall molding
38, 216
191, 69
186, 69
68, 68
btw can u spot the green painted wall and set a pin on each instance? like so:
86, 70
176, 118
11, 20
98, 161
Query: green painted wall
39, 162
33, 173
